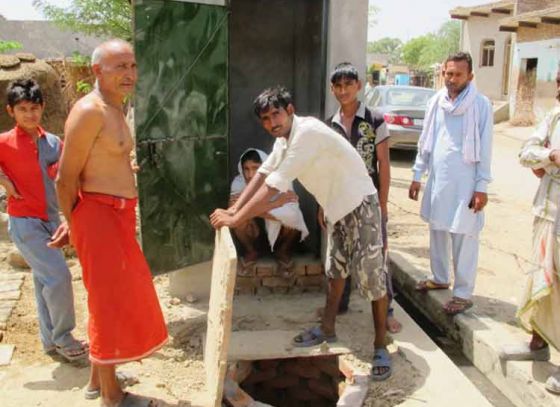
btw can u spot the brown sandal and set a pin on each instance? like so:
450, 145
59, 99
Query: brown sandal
247, 269
427, 285
457, 305
286, 268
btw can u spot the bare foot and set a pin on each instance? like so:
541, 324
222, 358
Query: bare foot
393, 325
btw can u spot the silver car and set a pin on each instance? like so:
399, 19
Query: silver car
403, 109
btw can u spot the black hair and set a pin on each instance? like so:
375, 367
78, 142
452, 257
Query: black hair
277, 96
251, 155
24, 90
344, 70
460, 56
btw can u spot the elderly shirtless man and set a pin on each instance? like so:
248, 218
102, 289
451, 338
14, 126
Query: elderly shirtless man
97, 194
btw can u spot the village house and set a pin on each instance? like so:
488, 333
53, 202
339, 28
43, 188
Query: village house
535, 58
489, 47
515, 47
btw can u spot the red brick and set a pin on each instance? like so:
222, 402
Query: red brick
266, 271
245, 291
258, 376
328, 365
283, 382
323, 388
314, 269
307, 281
268, 364
246, 282
304, 369
299, 269
303, 393
276, 282
346, 368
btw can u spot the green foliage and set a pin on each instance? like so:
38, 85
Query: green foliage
8, 45
83, 87
102, 18
388, 46
424, 51
79, 59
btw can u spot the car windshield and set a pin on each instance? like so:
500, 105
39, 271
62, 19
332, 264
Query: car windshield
408, 97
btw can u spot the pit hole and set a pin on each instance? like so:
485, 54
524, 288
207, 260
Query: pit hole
294, 382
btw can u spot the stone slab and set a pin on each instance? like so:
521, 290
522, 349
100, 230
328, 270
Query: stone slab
224, 265
12, 285
11, 277
481, 338
6, 353
10, 295
275, 344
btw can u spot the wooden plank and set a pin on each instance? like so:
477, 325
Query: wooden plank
263, 345
224, 265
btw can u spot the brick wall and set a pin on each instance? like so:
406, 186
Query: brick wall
542, 32
308, 276
524, 6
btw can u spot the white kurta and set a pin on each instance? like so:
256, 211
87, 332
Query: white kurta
288, 215
452, 181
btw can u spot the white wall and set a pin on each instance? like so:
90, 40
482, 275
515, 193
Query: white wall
347, 40
475, 30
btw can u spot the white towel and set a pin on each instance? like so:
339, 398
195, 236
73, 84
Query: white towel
288, 215
471, 118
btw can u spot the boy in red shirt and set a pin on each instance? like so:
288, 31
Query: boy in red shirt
29, 161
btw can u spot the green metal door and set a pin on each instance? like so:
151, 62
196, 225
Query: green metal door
181, 116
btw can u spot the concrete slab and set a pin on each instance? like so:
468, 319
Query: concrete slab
11, 285
224, 266
444, 384
481, 339
10, 295
275, 344
6, 353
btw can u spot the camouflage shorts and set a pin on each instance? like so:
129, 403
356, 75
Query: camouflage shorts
355, 245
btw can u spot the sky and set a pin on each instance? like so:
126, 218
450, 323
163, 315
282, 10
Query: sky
403, 19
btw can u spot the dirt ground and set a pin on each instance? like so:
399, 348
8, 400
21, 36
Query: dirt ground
175, 374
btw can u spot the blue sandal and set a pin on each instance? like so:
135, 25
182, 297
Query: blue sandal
311, 337
381, 359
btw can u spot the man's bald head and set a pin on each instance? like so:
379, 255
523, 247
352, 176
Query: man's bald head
114, 46
114, 67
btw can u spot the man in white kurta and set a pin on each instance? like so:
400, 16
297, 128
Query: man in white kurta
539, 310
455, 150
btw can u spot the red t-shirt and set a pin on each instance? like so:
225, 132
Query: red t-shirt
32, 167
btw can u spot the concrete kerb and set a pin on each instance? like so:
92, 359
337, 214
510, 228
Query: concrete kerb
481, 338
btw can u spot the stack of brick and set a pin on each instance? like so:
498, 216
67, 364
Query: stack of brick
308, 276
297, 382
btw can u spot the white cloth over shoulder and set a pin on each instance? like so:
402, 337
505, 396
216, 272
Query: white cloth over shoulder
288, 215
467, 108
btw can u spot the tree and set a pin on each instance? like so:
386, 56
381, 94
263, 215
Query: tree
424, 51
8, 45
102, 18
388, 46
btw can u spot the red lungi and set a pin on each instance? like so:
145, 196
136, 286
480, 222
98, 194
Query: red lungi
125, 319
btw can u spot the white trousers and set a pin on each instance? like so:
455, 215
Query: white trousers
465, 260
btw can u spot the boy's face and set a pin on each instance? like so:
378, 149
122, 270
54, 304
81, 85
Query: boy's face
346, 90
250, 169
26, 114
278, 121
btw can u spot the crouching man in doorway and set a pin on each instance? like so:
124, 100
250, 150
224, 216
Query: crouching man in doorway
335, 174
284, 225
